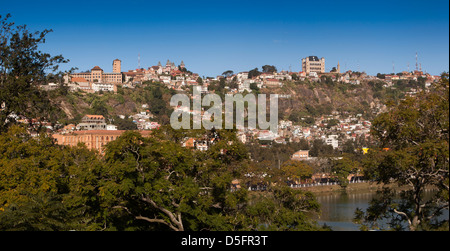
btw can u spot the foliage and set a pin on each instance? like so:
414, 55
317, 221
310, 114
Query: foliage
269, 69
228, 73
253, 73
416, 136
124, 124
22, 69
296, 170
320, 149
342, 168
140, 183
282, 209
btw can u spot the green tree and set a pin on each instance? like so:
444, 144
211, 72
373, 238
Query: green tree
253, 73
31, 183
22, 69
320, 149
45, 186
269, 68
342, 168
99, 107
254, 87
295, 170
282, 209
416, 132
148, 180
125, 124
228, 73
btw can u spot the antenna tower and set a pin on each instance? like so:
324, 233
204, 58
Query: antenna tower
417, 67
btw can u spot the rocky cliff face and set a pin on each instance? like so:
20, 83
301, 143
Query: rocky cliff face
320, 99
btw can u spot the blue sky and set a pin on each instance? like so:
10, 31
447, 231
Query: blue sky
214, 36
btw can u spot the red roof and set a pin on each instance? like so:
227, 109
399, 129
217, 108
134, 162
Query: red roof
96, 68
76, 79
95, 116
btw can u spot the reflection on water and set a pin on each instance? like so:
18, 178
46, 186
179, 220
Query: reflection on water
338, 209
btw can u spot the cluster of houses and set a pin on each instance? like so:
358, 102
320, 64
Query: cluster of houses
349, 128
177, 77
143, 119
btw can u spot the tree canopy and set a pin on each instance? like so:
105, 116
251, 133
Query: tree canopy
413, 152
140, 183
22, 69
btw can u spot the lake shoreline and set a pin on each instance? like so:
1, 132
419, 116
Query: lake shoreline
362, 187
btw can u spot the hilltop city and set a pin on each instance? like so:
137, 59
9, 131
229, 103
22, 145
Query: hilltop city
165, 148
333, 129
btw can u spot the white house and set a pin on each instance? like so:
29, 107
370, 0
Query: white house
332, 140
96, 87
111, 127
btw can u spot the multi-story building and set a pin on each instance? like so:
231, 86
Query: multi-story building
333, 141
93, 139
96, 87
92, 122
117, 66
300, 155
98, 75
313, 64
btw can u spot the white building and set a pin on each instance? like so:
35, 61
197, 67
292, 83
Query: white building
111, 127
333, 141
96, 87
313, 64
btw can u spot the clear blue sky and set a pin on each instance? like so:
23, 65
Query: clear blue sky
214, 36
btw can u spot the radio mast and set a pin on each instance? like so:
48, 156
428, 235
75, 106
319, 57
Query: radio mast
417, 65
139, 61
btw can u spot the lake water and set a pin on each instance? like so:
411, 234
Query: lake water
338, 210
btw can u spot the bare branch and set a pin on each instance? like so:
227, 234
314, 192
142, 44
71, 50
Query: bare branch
404, 214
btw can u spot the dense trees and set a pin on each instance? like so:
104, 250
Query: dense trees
141, 183
414, 137
35, 179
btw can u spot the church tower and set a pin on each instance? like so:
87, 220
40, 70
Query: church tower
338, 68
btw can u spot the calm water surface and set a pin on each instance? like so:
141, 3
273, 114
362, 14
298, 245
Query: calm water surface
338, 209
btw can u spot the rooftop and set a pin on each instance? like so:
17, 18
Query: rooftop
97, 68
95, 116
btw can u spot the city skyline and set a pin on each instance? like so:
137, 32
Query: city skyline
212, 37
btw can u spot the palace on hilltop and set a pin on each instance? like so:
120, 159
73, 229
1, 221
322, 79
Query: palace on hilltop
97, 75
313, 64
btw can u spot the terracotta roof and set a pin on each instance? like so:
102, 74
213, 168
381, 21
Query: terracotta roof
76, 79
95, 116
96, 68
108, 132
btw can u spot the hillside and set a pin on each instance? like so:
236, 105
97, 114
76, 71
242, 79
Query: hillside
300, 101
314, 99
126, 102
